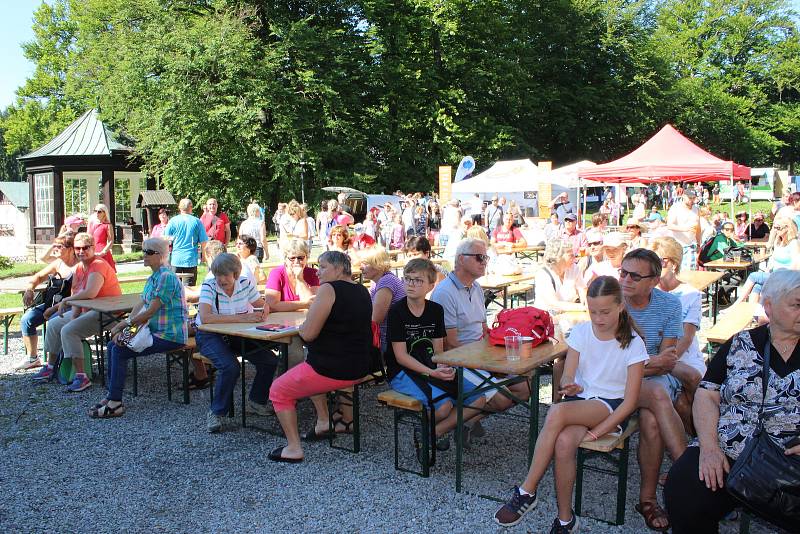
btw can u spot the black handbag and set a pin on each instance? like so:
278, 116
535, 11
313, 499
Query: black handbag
57, 288
745, 253
763, 478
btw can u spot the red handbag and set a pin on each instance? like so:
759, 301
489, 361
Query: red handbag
526, 322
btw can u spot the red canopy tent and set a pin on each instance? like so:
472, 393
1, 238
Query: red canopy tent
668, 156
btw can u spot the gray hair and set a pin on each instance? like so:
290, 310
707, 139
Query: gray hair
294, 246
159, 245
466, 245
555, 249
213, 249
226, 263
337, 259
779, 284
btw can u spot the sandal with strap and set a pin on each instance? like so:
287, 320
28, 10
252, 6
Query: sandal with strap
651, 511
348, 426
104, 411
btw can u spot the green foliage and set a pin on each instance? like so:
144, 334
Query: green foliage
226, 98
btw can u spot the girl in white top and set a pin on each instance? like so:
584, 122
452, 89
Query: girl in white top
602, 376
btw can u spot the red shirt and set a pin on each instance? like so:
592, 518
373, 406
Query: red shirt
504, 235
215, 225
363, 241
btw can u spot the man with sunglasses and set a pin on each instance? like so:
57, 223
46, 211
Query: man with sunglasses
658, 316
461, 296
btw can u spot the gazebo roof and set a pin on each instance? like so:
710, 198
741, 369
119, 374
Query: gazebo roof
16, 192
86, 136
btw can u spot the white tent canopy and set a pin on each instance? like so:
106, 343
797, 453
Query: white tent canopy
513, 176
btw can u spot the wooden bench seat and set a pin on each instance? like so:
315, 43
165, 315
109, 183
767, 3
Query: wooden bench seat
394, 399
735, 319
7, 316
608, 442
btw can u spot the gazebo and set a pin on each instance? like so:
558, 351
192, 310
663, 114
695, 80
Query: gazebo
85, 164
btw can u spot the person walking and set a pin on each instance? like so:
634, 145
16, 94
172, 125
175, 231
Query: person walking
186, 232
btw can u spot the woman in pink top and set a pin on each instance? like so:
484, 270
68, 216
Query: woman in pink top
158, 229
103, 233
293, 285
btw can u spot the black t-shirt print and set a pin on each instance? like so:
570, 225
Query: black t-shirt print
418, 333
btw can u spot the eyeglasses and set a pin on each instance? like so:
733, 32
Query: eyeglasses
636, 277
148, 252
58, 246
779, 228
296, 258
87, 247
727, 229
413, 282
99, 211
482, 258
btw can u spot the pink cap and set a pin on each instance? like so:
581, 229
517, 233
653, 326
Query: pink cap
73, 219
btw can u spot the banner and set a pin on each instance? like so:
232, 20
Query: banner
465, 168
445, 183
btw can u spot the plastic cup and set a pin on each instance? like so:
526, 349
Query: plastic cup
513, 346
737, 256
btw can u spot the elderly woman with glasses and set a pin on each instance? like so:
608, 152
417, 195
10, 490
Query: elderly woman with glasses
162, 309
293, 285
559, 282
785, 255
338, 334
67, 325
246, 250
758, 229
103, 233
61, 267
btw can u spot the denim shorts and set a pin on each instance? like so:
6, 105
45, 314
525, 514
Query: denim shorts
611, 404
670, 383
402, 383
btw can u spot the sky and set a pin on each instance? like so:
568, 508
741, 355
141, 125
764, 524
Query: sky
16, 19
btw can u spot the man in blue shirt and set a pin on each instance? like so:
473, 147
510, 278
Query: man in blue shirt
186, 232
658, 316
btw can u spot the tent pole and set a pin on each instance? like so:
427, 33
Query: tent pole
583, 215
733, 217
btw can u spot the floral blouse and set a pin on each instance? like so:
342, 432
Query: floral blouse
736, 372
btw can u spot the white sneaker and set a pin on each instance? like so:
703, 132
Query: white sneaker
259, 409
213, 423
28, 363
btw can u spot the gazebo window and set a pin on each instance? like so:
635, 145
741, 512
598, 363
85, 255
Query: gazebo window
76, 195
122, 199
43, 186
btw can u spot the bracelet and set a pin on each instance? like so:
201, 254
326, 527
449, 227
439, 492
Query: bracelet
591, 434
128, 322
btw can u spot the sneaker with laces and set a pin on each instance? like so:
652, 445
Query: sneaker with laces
477, 430
79, 383
213, 422
28, 363
570, 528
259, 409
45, 373
515, 509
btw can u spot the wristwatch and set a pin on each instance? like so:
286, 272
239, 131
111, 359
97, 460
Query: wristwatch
128, 322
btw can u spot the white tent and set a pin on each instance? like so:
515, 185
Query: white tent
513, 176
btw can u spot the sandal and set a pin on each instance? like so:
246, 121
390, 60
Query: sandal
104, 411
348, 426
276, 456
312, 435
651, 512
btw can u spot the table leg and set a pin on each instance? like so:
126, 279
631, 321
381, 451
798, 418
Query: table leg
505, 297
244, 387
101, 350
533, 419
714, 304
6, 323
459, 426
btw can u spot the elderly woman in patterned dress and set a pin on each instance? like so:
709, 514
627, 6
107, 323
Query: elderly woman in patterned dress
726, 409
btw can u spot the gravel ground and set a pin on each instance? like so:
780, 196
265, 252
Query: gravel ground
157, 469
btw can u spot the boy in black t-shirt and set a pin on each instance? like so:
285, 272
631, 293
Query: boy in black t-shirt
416, 332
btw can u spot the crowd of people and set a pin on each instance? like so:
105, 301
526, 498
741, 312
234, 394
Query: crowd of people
637, 353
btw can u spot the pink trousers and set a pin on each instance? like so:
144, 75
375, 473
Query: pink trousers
299, 382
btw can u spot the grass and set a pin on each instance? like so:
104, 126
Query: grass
28, 269
764, 206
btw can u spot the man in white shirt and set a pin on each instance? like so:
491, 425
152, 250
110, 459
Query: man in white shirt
476, 205
684, 224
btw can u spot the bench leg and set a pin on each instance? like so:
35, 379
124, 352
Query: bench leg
135, 377
6, 324
396, 417
169, 377
185, 359
579, 482
356, 420
426, 443
622, 482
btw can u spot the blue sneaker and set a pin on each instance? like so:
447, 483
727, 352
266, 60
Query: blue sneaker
515, 509
45, 373
80, 383
570, 528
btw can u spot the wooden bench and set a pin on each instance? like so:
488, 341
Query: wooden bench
181, 356
351, 397
611, 449
518, 292
734, 320
7, 316
410, 411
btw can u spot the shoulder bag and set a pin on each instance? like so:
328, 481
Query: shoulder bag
763, 478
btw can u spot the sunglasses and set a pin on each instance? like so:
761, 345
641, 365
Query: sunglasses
727, 229
595, 243
296, 258
636, 277
482, 258
779, 228
87, 247
148, 252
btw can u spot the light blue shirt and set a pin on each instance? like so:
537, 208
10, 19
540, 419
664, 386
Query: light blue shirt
463, 307
187, 233
662, 318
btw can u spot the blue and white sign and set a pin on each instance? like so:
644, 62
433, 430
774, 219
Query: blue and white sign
465, 168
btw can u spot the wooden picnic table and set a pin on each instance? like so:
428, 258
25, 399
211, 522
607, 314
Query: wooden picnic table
437, 251
736, 318
291, 322
497, 282
530, 252
702, 281
481, 355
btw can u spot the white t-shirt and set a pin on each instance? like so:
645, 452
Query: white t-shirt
477, 206
600, 268
451, 219
550, 288
603, 365
691, 305
680, 215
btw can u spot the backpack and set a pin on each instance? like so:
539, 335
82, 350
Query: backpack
65, 372
703, 255
527, 322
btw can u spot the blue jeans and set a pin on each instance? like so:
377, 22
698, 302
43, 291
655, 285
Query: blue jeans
222, 354
32, 319
118, 363
758, 278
